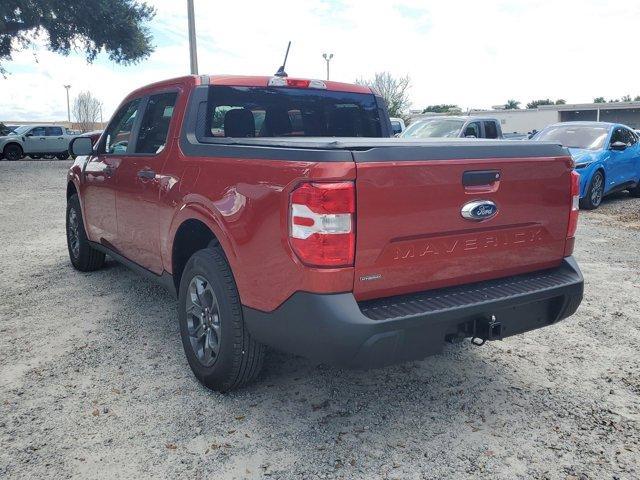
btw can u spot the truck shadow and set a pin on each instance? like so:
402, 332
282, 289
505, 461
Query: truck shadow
305, 406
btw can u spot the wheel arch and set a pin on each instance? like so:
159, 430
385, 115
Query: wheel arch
13, 142
192, 230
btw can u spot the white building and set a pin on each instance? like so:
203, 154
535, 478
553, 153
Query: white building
527, 120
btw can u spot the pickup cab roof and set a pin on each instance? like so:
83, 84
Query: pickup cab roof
244, 81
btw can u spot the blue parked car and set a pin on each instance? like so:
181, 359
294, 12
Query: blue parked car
607, 157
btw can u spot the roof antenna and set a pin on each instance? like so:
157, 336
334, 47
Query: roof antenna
281, 72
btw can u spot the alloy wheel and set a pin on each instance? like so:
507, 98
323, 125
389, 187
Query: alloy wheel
203, 320
72, 232
597, 190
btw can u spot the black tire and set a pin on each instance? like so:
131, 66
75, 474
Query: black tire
62, 156
635, 192
82, 255
13, 152
238, 359
595, 192
35, 156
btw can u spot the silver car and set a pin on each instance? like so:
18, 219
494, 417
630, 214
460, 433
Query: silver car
36, 141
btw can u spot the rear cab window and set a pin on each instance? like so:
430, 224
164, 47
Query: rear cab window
250, 112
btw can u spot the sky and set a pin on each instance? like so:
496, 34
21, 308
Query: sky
475, 54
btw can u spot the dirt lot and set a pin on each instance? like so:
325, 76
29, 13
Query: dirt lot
94, 383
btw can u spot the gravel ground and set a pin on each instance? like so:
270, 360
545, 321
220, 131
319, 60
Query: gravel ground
94, 383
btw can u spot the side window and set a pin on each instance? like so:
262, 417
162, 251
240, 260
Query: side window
472, 130
38, 132
54, 131
490, 130
155, 123
629, 137
118, 134
622, 135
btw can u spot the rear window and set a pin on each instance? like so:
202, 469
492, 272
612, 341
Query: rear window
290, 112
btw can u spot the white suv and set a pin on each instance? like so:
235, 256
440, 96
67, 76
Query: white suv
36, 141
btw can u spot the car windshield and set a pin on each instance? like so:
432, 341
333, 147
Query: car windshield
575, 136
436, 128
20, 130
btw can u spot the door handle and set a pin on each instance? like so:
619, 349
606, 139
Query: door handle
147, 174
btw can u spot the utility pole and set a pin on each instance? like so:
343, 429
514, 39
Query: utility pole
327, 58
68, 109
193, 50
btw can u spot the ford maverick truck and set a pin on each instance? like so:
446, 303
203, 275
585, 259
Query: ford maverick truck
280, 213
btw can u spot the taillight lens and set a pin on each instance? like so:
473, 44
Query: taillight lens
322, 223
575, 207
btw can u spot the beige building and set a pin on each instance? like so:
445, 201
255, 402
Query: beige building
527, 120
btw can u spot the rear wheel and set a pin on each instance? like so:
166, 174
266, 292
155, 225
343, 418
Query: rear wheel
35, 156
13, 152
219, 349
82, 255
62, 155
635, 192
595, 192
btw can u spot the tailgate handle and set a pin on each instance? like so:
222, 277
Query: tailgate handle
476, 178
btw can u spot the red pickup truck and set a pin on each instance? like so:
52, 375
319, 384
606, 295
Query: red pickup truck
280, 213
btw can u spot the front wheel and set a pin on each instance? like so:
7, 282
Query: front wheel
219, 349
13, 152
82, 255
595, 192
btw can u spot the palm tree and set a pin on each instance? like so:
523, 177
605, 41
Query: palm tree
512, 105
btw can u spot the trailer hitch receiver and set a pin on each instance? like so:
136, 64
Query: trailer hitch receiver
486, 329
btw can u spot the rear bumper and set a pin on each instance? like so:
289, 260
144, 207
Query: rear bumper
336, 329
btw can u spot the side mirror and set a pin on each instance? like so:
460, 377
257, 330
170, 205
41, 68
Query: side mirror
619, 146
81, 146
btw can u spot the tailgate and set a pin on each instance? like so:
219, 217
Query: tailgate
411, 233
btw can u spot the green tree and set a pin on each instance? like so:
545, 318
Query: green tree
599, 100
395, 91
626, 98
537, 103
637, 98
115, 26
512, 105
561, 101
443, 108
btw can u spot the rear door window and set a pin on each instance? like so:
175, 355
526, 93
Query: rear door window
54, 131
155, 123
242, 112
490, 130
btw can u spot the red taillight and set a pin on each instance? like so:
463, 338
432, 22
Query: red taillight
573, 214
322, 223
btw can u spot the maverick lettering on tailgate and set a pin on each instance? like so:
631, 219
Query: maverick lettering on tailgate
460, 244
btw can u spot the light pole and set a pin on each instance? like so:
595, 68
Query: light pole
68, 109
327, 58
193, 50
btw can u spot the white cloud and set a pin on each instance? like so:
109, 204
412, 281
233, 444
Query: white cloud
475, 54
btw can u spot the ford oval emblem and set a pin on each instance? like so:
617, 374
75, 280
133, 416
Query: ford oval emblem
479, 210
